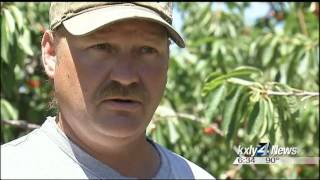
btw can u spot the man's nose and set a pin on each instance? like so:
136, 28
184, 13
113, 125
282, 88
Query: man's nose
124, 71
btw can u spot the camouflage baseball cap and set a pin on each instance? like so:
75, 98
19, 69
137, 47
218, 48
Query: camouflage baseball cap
82, 18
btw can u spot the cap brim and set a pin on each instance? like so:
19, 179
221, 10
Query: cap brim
90, 21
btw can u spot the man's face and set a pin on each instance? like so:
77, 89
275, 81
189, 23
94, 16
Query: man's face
110, 82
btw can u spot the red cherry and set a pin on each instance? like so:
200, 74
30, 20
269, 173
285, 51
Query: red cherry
209, 130
299, 170
33, 83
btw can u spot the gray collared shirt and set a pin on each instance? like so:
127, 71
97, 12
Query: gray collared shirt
47, 153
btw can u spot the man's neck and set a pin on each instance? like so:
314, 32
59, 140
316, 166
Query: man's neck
132, 158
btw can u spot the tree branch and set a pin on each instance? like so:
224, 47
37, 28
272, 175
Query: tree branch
20, 123
292, 93
296, 92
194, 118
183, 115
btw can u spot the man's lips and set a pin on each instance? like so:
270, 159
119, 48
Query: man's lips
122, 103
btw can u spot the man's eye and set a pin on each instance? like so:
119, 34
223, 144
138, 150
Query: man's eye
104, 46
147, 50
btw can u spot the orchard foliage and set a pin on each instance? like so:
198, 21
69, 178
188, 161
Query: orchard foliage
233, 84
240, 85
24, 87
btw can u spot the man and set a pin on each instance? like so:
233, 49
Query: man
108, 62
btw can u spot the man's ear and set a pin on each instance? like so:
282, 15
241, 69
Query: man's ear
49, 56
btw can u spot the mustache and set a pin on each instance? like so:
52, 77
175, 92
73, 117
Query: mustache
114, 88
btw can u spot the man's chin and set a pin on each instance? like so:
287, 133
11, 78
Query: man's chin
121, 126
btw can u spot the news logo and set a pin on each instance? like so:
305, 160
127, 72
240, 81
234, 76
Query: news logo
266, 149
266, 153
263, 149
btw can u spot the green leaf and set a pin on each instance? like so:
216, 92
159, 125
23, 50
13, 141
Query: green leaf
213, 76
211, 86
18, 16
265, 40
8, 112
263, 118
10, 20
267, 55
232, 30
235, 121
9, 82
19, 73
215, 48
241, 82
293, 104
238, 72
253, 116
215, 102
4, 41
302, 68
253, 49
206, 19
24, 42
183, 129
283, 118
288, 102
173, 135
270, 115
244, 70
229, 111
272, 134
202, 41
159, 136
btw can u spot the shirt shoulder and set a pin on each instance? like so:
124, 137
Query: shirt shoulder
20, 154
181, 167
36, 156
23, 142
